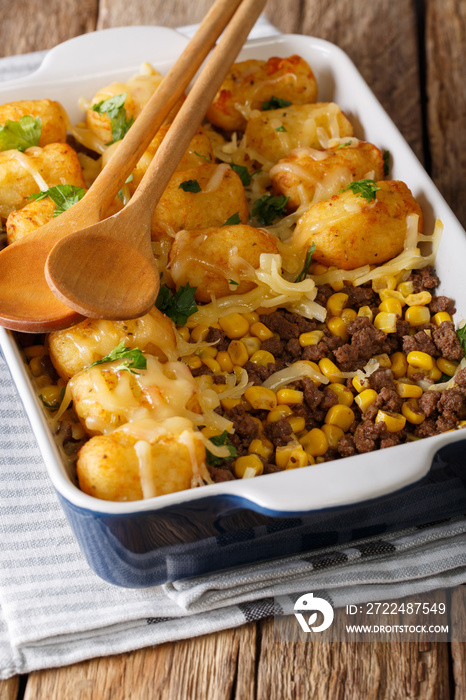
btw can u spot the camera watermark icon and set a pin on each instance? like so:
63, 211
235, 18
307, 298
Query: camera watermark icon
309, 603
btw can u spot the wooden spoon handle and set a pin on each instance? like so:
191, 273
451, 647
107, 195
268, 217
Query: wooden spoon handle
136, 141
192, 112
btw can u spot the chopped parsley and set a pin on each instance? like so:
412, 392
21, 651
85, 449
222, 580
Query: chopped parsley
220, 441
344, 145
274, 103
56, 404
267, 208
114, 109
461, 333
201, 156
443, 378
233, 283
64, 196
386, 162
234, 220
190, 186
243, 173
307, 264
132, 358
363, 188
280, 128
128, 179
179, 305
20, 134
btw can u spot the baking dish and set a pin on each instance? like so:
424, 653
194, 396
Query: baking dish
149, 542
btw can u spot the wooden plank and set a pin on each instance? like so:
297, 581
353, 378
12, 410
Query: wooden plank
202, 667
458, 647
445, 60
9, 689
33, 25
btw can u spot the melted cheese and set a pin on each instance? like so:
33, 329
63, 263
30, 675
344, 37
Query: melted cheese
146, 473
28, 164
216, 179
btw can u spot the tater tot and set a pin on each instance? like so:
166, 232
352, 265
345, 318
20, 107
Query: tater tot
77, 347
221, 196
350, 232
253, 82
119, 467
56, 163
198, 153
275, 133
52, 114
209, 258
22, 222
307, 175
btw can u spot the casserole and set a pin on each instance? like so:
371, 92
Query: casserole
186, 533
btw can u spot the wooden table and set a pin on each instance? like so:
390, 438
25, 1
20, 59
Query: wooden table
413, 55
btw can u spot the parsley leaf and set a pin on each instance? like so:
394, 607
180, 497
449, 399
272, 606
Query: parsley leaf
443, 378
243, 173
280, 128
233, 283
386, 162
274, 103
179, 305
20, 134
234, 220
114, 109
201, 156
219, 441
64, 196
307, 264
132, 358
267, 208
56, 404
344, 145
190, 186
461, 333
128, 179
363, 188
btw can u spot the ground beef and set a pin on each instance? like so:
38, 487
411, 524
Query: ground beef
460, 378
324, 292
278, 323
388, 400
426, 429
420, 341
359, 296
220, 474
347, 358
382, 377
346, 446
304, 324
278, 432
424, 278
447, 342
273, 345
428, 402
368, 339
329, 399
312, 395
293, 348
272, 468
257, 374
247, 427
315, 353
452, 401
402, 327
217, 336
442, 304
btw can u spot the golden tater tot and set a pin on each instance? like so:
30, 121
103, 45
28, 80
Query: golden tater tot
56, 163
198, 153
77, 347
119, 467
350, 232
209, 258
275, 133
307, 175
221, 196
253, 82
52, 114
22, 222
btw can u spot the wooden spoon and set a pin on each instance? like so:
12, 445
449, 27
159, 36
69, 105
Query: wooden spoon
26, 302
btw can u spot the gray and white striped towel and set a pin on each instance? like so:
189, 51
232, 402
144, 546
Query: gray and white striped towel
55, 611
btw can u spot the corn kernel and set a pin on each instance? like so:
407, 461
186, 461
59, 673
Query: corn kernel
204, 381
462, 424
34, 351
410, 410
391, 306
51, 395
408, 391
35, 365
193, 361
412, 371
420, 299
228, 404
200, 332
383, 360
348, 315
385, 282
289, 396
251, 317
297, 423
262, 358
393, 421
315, 442
337, 327
261, 447
208, 352
365, 399
212, 364
261, 331
316, 268
252, 462
259, 397
266, 310
447, 366
406, 288
209, 432
234, 325
238, 352
399, 364
336, 303
337, 286
345, 396
341, 416
333, 433
360, 383
366, 311
42, 380
191, 324
298, 458
224, 360
314, 366
184, 332
251, 344
238, 372
435, 373
278, 413
310, 338
329, 370
283, 453
440, 317
420, 360
385, 294
417, 315
385, 322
